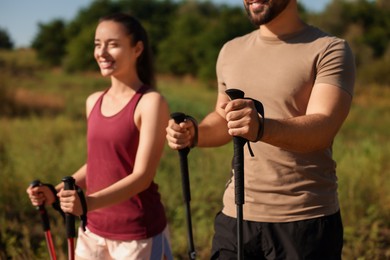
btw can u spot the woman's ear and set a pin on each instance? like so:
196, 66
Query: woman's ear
139, 48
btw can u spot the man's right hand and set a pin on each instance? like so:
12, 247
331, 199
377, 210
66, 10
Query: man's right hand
181, 135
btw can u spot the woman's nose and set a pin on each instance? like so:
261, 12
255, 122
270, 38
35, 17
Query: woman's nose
102, 51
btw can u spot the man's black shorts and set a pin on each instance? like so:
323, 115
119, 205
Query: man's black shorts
318, 238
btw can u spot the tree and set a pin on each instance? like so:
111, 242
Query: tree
5, 40
155, 15
365, 24
197, 33
80, 51
383, 4
177, 52
50, 42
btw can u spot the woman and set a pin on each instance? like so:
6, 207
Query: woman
126, 136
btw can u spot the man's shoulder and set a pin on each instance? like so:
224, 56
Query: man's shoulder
241, 40
319, 34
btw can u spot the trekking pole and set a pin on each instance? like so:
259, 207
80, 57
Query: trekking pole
180, 117
46, 225
238, 168
69, 184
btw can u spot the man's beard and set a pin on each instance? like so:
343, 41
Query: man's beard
269, 12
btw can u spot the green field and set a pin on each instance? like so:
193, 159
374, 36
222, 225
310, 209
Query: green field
42, 135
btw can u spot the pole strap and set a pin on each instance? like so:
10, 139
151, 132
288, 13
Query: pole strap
56, 204
260, 110
83, 217
195, 123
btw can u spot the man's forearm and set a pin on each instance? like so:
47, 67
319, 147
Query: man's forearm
213, 131
300, 134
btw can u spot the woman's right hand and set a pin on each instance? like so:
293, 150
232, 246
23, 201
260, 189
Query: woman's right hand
181, 135
40, 195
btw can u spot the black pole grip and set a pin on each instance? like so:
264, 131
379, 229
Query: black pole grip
238, 156
42, 209
235, 93
180, 117
69, 184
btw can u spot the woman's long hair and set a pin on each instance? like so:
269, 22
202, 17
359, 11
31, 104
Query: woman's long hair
144, 66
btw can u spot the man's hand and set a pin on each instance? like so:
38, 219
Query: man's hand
242, 118
181, 135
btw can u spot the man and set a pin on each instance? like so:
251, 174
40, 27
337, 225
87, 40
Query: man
304, 78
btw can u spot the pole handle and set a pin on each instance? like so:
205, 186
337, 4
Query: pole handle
235, 93
41, 208
238, 157
69, 184
179, 117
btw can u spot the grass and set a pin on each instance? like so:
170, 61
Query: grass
362, 152
46, 142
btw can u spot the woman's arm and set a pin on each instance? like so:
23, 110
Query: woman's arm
151, 116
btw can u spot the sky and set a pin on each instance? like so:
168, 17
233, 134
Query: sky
20, 18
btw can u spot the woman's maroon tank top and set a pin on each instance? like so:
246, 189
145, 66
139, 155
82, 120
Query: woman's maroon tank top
112, 147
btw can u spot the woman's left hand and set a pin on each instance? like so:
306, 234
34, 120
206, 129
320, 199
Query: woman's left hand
70, 202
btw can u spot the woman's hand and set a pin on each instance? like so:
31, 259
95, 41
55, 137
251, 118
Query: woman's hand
40, 195
70, 202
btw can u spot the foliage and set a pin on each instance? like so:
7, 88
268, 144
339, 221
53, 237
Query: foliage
156, 17
5, 40
50, 42
169, 24
80, 51
376, 71
50, 146
200, 31
366, 26
90, 16
186, 36
16, 68
363, 168
187, 28
42, 119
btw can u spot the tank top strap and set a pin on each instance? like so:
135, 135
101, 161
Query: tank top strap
98, 102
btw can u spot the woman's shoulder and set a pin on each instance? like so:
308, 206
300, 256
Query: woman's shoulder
152, 95
91, 100
152, 100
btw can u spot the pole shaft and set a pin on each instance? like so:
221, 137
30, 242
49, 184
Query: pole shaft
69, 184
183, 155
238, 168
45, 225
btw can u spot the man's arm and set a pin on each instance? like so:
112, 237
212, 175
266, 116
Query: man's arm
212, 131
327, 109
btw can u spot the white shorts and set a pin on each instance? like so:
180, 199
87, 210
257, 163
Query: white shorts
91, 246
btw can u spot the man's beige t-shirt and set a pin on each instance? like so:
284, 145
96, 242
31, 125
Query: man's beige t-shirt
280, 185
